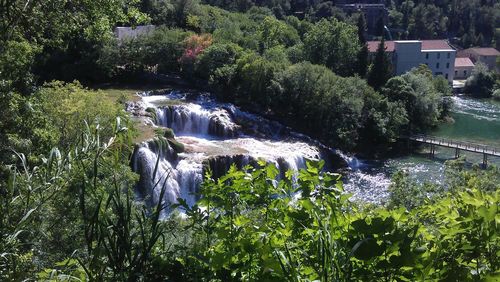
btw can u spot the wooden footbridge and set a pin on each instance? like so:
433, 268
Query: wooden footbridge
457, 145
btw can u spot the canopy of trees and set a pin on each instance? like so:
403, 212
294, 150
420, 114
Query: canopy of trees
67, 205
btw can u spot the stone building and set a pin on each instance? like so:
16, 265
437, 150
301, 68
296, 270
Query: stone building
487, 56
438, 55
463, 68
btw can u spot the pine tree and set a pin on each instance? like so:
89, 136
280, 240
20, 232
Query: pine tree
380, 27
363, 52
381, 70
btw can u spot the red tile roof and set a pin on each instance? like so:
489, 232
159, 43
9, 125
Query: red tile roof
435, 45
426, 45
373, 46
485, 51
463, 62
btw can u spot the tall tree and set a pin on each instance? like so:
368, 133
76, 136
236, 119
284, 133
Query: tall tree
382, 68
363, 52
334, 44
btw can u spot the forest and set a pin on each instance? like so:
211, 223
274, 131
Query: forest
68, 208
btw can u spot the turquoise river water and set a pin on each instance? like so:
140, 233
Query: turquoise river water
476, 121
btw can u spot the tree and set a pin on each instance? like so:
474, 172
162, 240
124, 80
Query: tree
273, 32
380, 27
422, 96
255, 75
381, 69
216, 56
194, 46
333, 44
481, 82
362, 59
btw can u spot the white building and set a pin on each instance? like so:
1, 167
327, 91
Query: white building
463, 68
438, 55
126, 32
487, 56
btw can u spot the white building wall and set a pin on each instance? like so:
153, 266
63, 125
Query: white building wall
463, 72
407, 55
441, 62
125, 33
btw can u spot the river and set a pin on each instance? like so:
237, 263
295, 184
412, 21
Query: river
216, 135
476, 121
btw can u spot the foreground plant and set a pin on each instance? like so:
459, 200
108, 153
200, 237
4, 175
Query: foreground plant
249, 227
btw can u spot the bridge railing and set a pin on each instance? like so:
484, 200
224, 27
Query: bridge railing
456, 144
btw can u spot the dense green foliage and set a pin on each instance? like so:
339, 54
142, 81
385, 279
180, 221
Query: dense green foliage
423, 96
246, 58
481, 83
59, 40
72, 214
276, 76
75, 217
473, 23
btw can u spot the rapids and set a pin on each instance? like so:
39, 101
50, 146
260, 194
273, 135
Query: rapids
215, 136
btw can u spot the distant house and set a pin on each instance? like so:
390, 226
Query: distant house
438, 55
463, 68
373, 12
487, 56
126, 32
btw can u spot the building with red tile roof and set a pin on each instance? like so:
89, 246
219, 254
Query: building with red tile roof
463, 68
438, 55
487, 56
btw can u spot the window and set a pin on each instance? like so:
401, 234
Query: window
456, 73
427, 56
447, 65
465, 73
439, 55
449, 54
446, 76
437, 66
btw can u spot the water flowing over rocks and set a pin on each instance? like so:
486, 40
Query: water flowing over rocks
194, 119
215, 136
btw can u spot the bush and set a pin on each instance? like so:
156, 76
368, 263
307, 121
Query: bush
254, 230
480, 84
496, 94
75, 107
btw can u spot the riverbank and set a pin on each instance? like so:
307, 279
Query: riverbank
475, 120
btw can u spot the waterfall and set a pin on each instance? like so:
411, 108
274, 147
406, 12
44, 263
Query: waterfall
193, 119
215, 136
160, 168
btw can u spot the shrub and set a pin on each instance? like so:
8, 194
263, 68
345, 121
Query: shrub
480, 83
496, 94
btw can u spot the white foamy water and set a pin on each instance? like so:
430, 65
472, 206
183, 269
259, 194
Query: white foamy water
212, 140
478, 109
194, 119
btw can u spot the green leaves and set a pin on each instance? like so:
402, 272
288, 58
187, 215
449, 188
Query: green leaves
334, 44
366, 249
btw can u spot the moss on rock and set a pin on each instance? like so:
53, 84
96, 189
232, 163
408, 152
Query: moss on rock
177, 146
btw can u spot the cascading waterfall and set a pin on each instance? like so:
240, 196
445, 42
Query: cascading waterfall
194, 119
215, 136
160, 168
